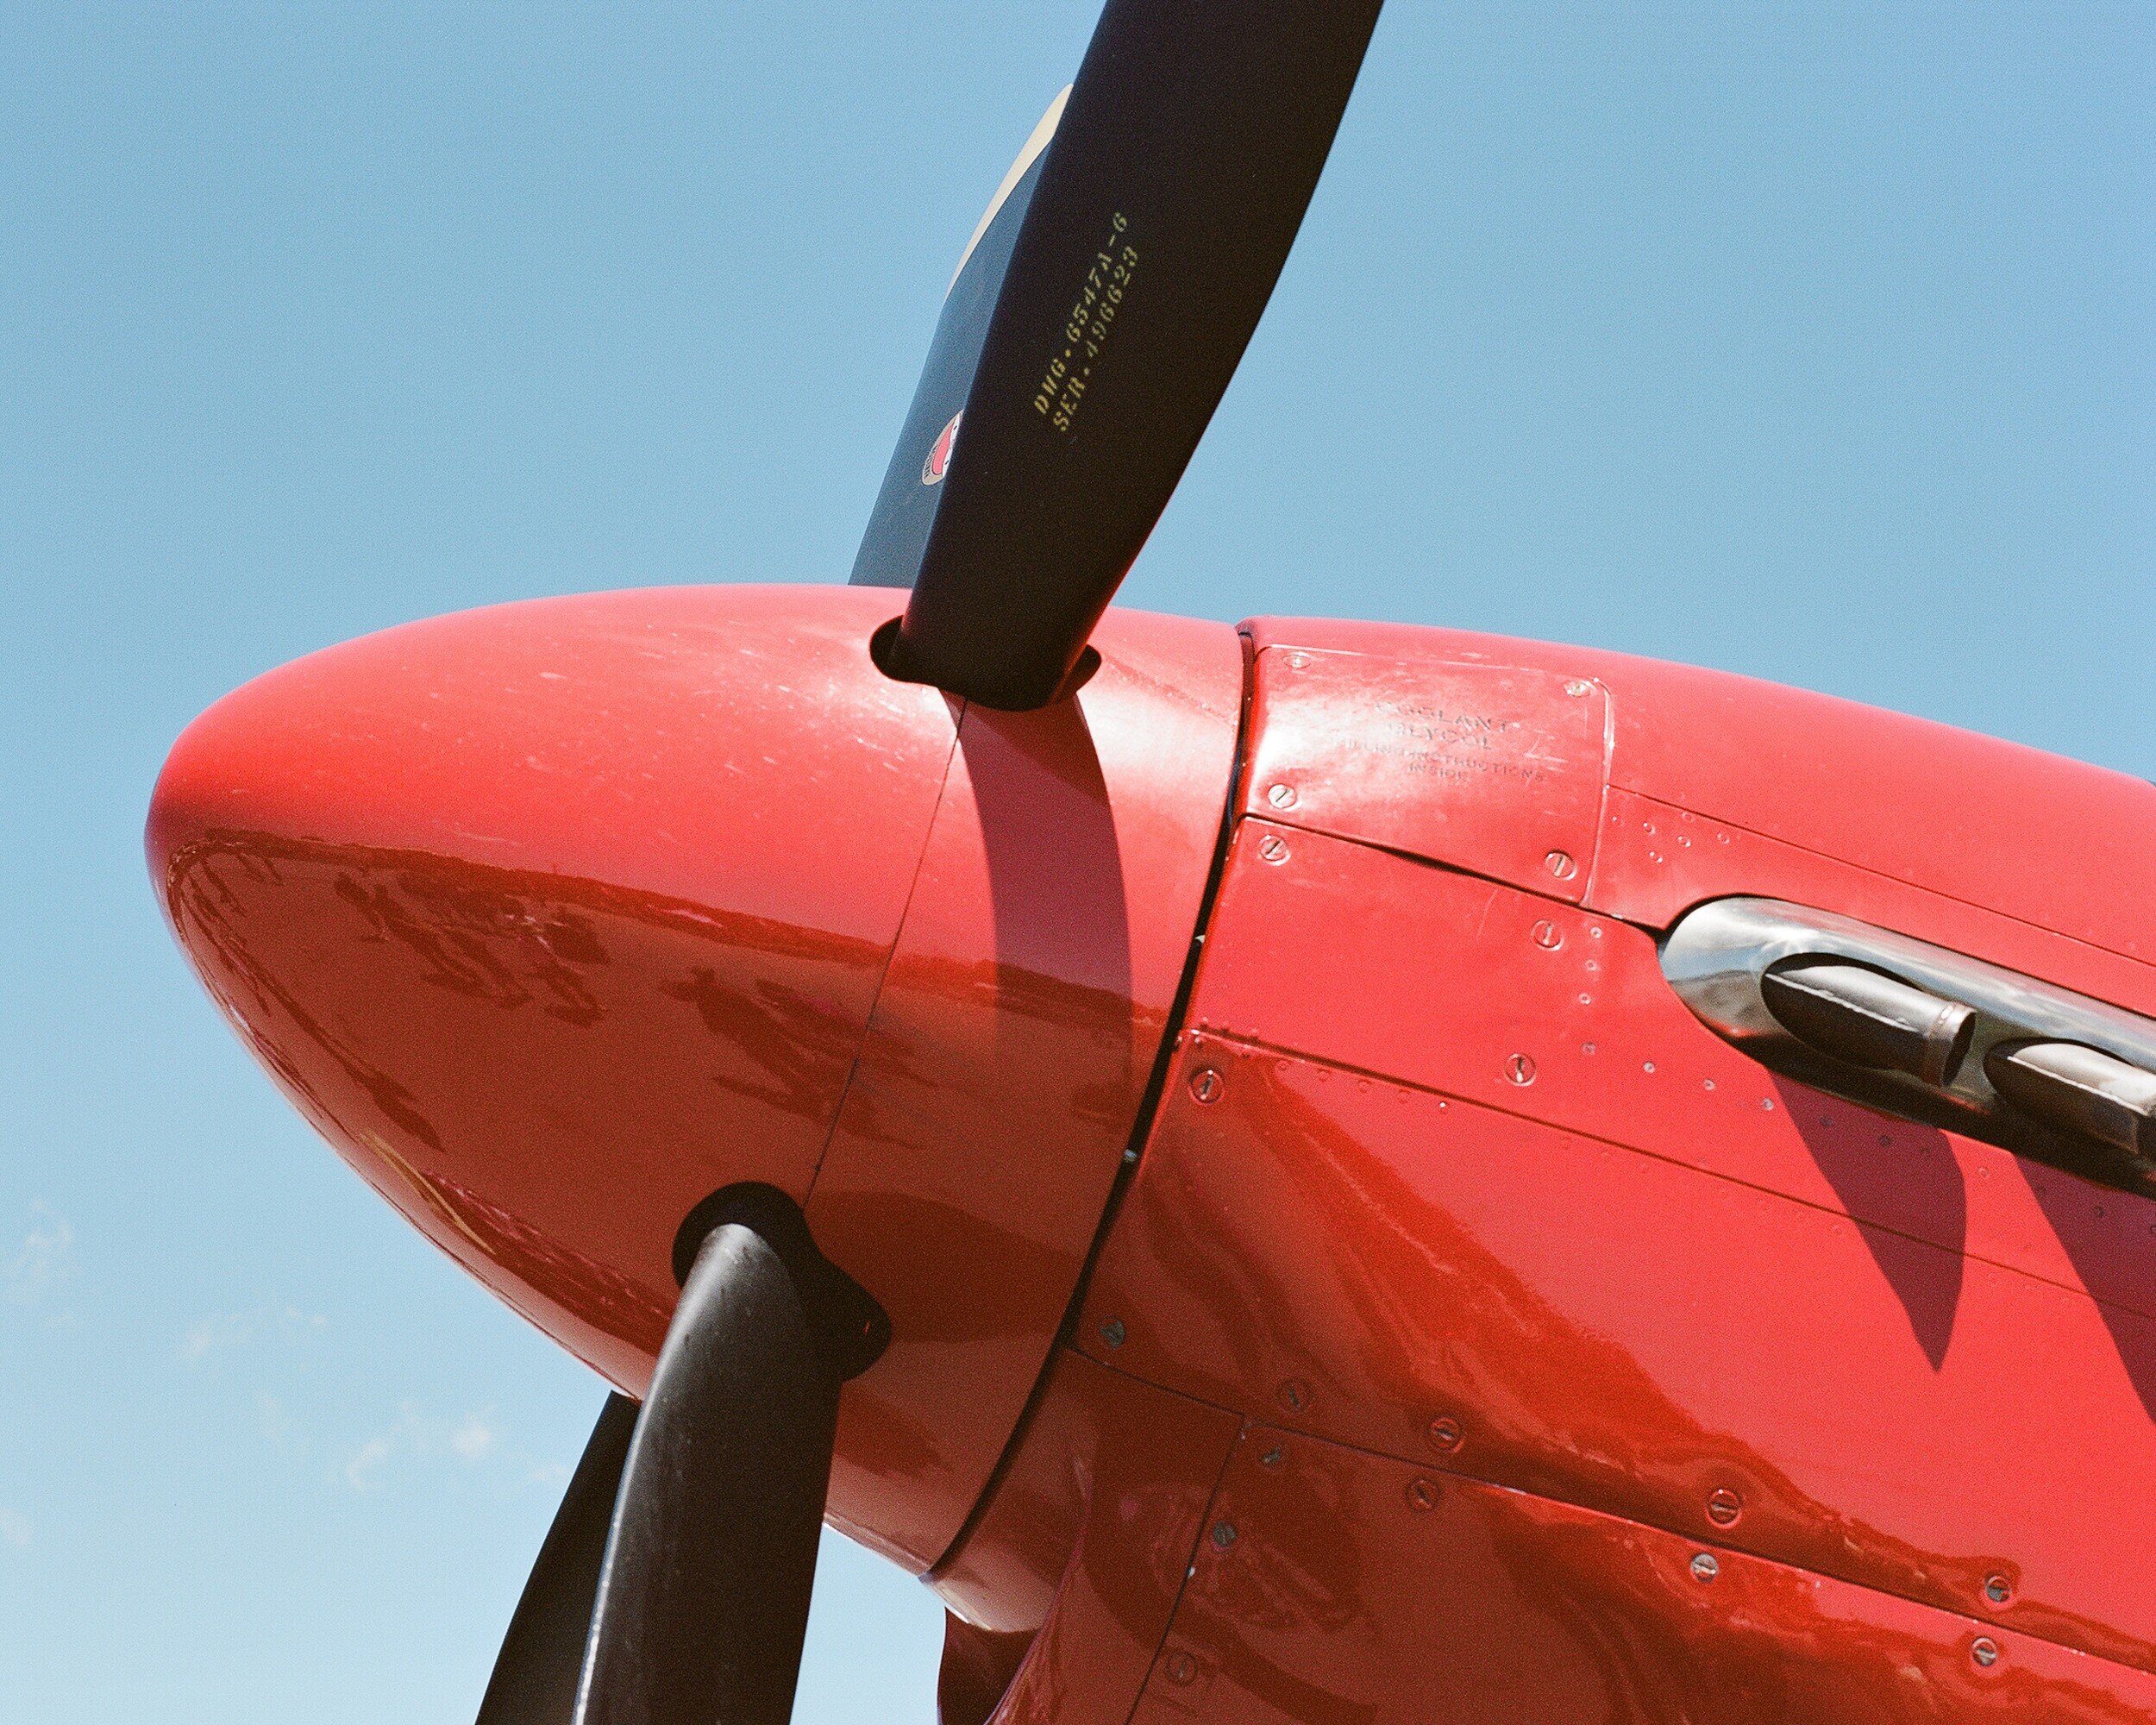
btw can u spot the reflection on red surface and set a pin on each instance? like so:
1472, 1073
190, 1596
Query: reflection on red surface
1084, 1541
1877, 795
1360, 1590
1522, 1288
1470, 760
1616, 1330
1438, 979
557, 918
1001, 1075
531, 912
489, 1047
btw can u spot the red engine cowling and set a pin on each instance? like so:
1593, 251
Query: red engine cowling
1586, 1364
1495, 1320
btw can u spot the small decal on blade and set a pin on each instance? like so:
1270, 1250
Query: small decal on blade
938, 461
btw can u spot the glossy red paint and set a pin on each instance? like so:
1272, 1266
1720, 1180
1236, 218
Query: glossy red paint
1050, 924
1520, 1609
556, 918
1445, 981
1083, 1544
1356, 1260
1449, 1176
2046, 842
1486, 765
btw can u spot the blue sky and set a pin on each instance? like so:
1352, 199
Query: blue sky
1816, 343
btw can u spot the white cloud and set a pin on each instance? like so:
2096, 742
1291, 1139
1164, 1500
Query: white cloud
475, 1439
14, 1528
277, 1424
45, 1257
369, 1460
221, 1331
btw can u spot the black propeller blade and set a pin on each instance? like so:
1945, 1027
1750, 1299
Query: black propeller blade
697, 1614
1149, 243
543, 1655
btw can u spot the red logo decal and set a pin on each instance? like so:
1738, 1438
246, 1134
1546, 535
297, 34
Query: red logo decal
938, 461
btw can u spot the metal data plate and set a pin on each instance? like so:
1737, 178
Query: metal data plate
1716, 956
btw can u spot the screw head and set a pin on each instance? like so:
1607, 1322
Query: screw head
1222, 1535
1297, 661
1546, 935
1997, 1589
1577, 687
1984, 1651
1520, 1068
1282, 796
1705, 1568
1422, 1494
1444, 1435
1179, 1667
1205, 1085
1273, 1457
1560, 863
1114, 1334
1724, 1507
1294, 1396
1273, 848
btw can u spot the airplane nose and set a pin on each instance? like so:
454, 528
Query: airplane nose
558, 918
555, 918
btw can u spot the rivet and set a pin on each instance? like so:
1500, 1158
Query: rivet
1704, 1567
1984, 1651
1422, 1494
1520, 1069
1997, 1589
1646, 1066
1205, 1085
1273, 1457
1282, 796
1294, 1396
1575, 688
1273, 848
1222, 1535
1114, 1334
1444, 1433
1724, 1507
1179, 1667
1560, 863
1547, 935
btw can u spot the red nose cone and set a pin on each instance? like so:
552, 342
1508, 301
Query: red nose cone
557, 917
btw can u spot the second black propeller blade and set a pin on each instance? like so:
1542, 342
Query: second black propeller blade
1163, 209
697, 1613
